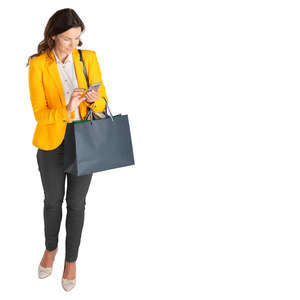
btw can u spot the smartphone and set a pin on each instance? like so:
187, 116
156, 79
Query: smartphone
94, 87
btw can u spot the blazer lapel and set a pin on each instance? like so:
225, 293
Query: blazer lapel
54, 74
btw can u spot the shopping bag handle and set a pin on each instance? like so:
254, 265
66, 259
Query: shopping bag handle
87, 81
91, 110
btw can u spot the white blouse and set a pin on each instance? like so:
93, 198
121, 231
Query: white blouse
68, 78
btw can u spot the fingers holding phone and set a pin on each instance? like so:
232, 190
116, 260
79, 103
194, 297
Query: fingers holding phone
92, 93
92, 96
80, 94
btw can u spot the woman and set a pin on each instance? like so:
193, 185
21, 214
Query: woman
56, 82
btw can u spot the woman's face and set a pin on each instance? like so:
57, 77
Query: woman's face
66, 41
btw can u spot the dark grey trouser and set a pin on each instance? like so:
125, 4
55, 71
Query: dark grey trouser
51, 168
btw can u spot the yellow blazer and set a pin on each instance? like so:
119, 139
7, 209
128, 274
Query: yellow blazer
48, 100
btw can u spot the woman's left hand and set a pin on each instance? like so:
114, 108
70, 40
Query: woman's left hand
92, 96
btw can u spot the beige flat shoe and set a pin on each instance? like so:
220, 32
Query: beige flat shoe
68, 284
44, 272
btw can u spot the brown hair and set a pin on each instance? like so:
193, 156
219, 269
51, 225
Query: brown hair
59, 22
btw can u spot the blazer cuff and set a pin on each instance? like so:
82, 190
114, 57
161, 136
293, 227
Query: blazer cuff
98, 106
66, 116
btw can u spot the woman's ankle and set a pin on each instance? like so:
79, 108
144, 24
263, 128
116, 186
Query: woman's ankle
51, 251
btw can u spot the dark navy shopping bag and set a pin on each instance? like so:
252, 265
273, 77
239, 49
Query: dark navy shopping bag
97, 145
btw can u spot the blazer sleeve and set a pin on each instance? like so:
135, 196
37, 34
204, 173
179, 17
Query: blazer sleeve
42, 113
95, 76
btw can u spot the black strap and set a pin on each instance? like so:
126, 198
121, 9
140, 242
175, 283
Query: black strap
84, 69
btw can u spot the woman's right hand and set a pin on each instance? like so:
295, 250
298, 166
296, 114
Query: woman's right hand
75, 99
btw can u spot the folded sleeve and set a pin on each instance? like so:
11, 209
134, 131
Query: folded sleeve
95, 76
42, 113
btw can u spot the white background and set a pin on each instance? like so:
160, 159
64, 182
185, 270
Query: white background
210, 210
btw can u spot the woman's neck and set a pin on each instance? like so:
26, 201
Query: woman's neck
61, 57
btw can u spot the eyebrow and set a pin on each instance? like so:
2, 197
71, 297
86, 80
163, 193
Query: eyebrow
69, 37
